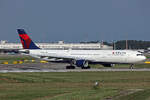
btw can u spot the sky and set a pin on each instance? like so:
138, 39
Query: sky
75, 20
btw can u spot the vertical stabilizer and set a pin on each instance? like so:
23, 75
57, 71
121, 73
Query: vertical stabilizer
27, 43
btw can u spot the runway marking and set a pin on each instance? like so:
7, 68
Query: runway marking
147, 62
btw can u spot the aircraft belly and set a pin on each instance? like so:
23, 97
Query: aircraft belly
111, 59
132, 60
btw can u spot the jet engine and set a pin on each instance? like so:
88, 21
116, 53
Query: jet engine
81, 63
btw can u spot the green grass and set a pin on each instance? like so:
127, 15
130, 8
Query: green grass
122, 66
11, 58
140, 95
15, 57
75, 86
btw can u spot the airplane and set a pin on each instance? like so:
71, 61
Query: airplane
80, 58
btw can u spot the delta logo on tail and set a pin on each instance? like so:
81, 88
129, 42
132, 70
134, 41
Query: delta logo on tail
25, 40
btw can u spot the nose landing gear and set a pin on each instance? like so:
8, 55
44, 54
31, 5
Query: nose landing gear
131, 66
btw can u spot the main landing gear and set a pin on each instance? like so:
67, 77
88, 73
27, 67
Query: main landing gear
88, 67
80, 63
70, 67
73, 67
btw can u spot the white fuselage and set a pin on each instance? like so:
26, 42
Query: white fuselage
108, 56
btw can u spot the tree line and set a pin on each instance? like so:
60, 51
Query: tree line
121, 44
132, 44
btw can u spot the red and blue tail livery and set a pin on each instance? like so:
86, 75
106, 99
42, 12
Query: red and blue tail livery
27, 43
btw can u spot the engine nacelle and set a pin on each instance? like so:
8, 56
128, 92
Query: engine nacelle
81, 63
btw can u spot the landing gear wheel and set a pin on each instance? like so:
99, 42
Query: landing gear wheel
88, 67
131, 66
70, 67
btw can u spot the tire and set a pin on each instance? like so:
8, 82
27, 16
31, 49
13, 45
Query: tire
70, 67
67, 67
86, 67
